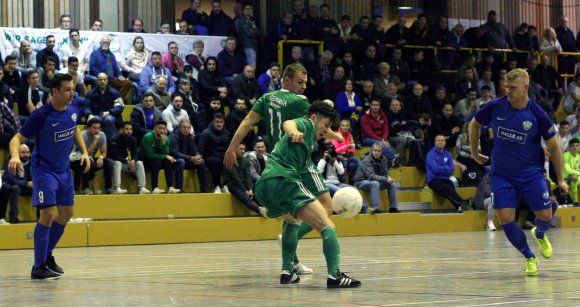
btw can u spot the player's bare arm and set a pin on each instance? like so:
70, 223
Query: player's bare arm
474, 132
15, 165
291, 129
555, 151
249, 121
81, 146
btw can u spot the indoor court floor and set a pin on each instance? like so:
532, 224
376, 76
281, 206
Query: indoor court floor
444, 269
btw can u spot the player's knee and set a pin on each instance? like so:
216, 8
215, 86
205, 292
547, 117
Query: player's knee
544, 215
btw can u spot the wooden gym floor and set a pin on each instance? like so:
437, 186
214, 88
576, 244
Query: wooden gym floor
444, 269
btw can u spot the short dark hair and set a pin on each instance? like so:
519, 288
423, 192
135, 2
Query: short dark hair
187, 68
564, 122
147, 94
10, 57
171, 43
30, 73
49, 59
573, 141
63, 16
95, 20
177, 94
157, 53
345, 17
70, 32
161, 122
218, 115
72, 59
325, 110
486, 88
49, 36
125, 123
58, 79
94, 120
325, 5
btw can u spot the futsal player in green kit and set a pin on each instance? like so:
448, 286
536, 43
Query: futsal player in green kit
283, 191
276, 108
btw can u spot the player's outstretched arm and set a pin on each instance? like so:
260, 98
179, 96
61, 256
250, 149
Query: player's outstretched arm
553, 146
291, 129
474, 133
331, 135
81, 146
249, 121
15, 165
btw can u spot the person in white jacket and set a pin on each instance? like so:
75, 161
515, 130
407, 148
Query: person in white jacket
174, 113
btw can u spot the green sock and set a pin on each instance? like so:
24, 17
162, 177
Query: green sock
303, 230
331, 250
289, 245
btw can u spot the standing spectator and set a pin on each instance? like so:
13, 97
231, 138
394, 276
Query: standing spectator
498, 37
372, 175
65, 22
213, 142
258, 159
96, 142
136, 26
124, 153
568, 43
439, 169
5, 96
26, 58
183, 147
97, 25
399, 34
270, 80
106, 104
549, 43
219, 23
550, 80
344, 34
476, 37
361, 35
154, 150
398, 66
14, 185
195, 17
103, 60
48, 51
375, 129
249, 33
151, 71
439, 32
172, 61
144, 116
239, 182
231, 61
174, 113
164, 27
327, 29
197, 58
136, 59
245, 86
31, 97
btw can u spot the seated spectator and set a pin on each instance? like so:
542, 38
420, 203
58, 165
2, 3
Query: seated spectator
488, 63
26, 58
78, 78
136, 59
448, 125
12, 76
172, 61
417, 102
197, 58
124, 153
348, 103
47, 73
571, 163
185, 29
372, 175
439, 169
96, 141
486, 81
466, 83
106, 104
154, 150
245, 86
332, 170
211, 84
564, 135
239, 182
398, 66
370, 63
486, 96
5, 95
215, 106
231, 60
439, 99
271, 80
426, 125
164, 27
97, 25
14, 185
418, 151
213, 142
47, 52
384, 79
218, 22
400, 129
463, 149
375, 129
153, 70
235, 118
346, 149
467, 106
103, 60
174, 113
549, 43
31, 97
136, 26
258, 159
421, 71
333, 86
571, 100
367, 94
192, 105
160, 92
183, 147
81, 53
144, 116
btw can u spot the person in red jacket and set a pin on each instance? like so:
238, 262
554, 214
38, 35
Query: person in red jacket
375, 129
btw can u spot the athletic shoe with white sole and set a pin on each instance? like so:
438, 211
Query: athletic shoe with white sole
342, 281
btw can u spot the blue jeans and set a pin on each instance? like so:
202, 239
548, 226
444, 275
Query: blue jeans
387, 150
251, 56
374, 187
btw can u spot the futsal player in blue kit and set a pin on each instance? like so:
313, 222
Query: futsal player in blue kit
54, 126
518, 125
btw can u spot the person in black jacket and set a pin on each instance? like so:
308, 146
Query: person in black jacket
106, 103
213, 142
144, 116
235, 118
240, 182
210, 82
183, 146
16, 185
124, 153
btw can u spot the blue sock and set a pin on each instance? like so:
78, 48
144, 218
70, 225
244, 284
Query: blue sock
542, 227
41, 234
517, 238
56, 232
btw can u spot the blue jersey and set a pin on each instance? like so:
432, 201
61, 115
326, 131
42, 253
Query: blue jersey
517, 135
54, 132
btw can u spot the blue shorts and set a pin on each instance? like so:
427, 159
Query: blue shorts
531, 187
50, 188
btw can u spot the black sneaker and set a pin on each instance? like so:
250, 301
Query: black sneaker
51, 265
289, 278
376, 211
43, 272
342, 281
394, 210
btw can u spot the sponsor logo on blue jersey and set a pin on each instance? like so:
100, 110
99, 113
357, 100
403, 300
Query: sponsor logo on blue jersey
60, 136
511, 135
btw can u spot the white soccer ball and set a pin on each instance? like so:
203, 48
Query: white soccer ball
347, 202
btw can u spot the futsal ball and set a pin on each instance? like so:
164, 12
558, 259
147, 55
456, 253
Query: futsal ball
347, 202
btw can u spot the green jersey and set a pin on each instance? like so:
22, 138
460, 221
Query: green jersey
571, 164
278, 107
290, 159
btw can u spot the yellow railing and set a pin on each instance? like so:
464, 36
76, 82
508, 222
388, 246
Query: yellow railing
281, 44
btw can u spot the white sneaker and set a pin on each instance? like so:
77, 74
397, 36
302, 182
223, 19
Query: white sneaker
143, 190
119, 191
158, 191
3, 222
490, 226
225, 189
264, 213
217, 190
87, 191
173, 190
301, 269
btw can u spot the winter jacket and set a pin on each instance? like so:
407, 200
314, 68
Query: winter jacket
439, 164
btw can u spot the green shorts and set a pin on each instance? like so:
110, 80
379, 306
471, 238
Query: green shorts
313, 180
281, 196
